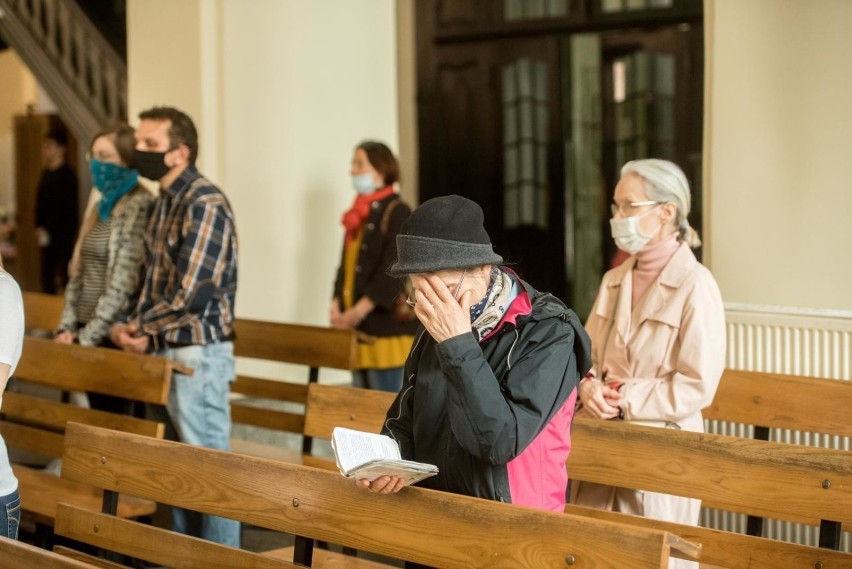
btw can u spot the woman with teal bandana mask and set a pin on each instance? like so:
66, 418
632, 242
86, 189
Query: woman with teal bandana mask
113, 181
109, 249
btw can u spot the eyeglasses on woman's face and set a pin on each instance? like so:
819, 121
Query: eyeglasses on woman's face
629, 208
412, 299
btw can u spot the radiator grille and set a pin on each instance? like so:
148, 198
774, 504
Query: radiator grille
794, 342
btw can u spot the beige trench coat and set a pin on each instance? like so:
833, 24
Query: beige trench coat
669, 350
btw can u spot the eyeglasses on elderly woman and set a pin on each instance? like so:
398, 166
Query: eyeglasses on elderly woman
412, 299
626, 209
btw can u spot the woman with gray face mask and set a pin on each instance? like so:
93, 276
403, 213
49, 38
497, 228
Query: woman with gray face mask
365, 298
657, 330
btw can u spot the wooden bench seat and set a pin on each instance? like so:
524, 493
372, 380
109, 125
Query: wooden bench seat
42, 491
714, 467
772, 400
35, 425
425, 526
329, 406
768, 479
19, 555
42, 311
332, 406
280, 405
774, 404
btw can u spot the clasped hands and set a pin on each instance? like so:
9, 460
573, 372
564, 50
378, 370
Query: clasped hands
601, 398
126, 337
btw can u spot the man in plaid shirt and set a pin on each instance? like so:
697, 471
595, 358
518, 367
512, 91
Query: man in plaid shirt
185, 306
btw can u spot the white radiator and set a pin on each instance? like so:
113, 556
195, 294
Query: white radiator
789, 341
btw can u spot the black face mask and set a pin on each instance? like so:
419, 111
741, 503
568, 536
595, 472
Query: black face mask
152, 165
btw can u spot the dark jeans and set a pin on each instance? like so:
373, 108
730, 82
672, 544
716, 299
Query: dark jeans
10, 515
381, 379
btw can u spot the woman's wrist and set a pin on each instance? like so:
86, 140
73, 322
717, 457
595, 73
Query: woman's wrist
363, 308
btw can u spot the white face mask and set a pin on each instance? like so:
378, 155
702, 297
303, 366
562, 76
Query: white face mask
364, 183
627, 235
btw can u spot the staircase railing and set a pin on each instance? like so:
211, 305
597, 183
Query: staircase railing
70, 58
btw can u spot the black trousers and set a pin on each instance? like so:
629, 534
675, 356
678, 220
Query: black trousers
54, 267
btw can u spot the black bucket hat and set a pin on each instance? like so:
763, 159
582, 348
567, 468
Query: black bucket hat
443, 233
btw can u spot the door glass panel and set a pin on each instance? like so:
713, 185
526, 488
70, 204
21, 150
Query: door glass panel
614, 6
584, 192
525, 135
519, 10
644, 107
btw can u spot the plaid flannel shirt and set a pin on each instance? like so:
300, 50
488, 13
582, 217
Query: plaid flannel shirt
190, 277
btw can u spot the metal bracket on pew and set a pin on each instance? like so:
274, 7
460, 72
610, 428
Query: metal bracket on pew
754, 524
303, 553
308, 442
829, 534
110, 506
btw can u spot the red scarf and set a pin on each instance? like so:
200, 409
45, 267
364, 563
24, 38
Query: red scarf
354, 217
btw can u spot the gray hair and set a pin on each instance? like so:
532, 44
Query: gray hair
666, 182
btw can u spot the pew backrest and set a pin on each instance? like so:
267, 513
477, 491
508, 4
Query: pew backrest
279, 405
33, 423
774, 480
19, 555
312, 346
420, 525
140, 377
42, 311
331, 406
732, 550
771, 400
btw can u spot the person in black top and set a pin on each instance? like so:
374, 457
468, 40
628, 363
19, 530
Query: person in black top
56, 211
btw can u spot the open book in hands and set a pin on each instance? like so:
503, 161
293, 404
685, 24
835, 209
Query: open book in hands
363, 455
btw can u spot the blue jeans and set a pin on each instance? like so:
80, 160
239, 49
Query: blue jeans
200, 411
381, 379
10, 515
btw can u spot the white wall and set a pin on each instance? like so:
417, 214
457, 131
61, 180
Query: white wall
779, 151
281, 92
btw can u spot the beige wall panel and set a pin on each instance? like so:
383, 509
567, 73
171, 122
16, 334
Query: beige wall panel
780, 151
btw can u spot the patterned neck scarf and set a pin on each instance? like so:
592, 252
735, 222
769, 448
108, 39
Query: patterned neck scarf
487, 313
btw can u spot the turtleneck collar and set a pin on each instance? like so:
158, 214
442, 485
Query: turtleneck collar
650, 262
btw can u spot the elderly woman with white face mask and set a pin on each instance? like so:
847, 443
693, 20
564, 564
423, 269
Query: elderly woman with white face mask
489, 388
657, 330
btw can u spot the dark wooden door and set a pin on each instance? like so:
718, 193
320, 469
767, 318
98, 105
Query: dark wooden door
30, 130
497, 143
516, 111
29, 134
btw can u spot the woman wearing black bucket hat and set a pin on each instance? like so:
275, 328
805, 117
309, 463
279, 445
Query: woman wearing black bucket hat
490, 384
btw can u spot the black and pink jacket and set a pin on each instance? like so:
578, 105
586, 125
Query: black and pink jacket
495, 415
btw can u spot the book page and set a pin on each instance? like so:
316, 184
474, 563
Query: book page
354, 448
367, 456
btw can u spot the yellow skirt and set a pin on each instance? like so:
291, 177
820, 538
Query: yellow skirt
383, 353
